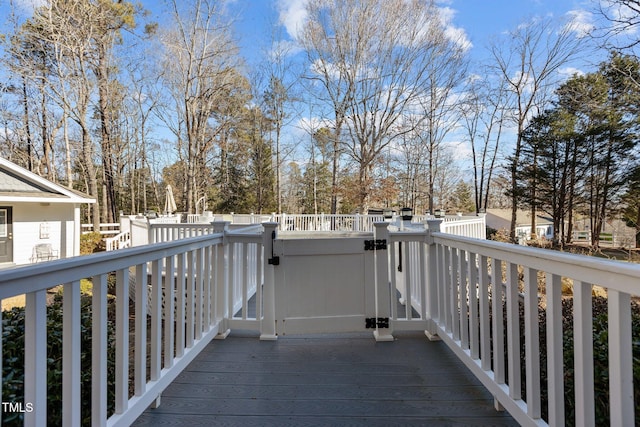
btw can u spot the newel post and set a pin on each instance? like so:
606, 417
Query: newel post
433, 226
221, 280
382, 282
268, 324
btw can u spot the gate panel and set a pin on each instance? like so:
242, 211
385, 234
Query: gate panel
323, 285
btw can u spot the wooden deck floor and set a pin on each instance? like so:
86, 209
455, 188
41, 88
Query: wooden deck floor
326, 380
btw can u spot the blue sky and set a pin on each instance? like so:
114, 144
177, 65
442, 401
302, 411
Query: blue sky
478, 21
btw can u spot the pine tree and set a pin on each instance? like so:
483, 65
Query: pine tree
462, 200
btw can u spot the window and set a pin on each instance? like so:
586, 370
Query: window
3, 222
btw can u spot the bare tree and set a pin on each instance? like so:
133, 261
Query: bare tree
624, 19
279, 97
528, 59
200, 64
71, 81
446, 177
483, 120
328, 57
378, 60
409, 165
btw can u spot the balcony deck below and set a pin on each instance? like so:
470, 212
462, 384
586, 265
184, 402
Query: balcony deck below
321, 380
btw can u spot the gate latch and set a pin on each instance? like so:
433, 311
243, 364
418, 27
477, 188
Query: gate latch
376, 322
274, 260
375, 245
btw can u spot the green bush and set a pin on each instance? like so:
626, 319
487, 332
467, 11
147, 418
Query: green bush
13, 361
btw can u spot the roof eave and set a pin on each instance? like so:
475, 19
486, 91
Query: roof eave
40, 199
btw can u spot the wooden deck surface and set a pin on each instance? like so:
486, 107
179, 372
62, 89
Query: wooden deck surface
326, 380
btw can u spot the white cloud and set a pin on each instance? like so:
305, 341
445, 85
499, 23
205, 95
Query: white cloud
460, 149
620, 11
455, 34
580, 22
570, 72
292, 15
284, 48
29, 5
307, 125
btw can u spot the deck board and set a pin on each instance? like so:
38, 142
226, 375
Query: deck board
321, 380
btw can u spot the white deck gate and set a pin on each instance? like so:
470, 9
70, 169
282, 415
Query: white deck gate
323, 284
346, 283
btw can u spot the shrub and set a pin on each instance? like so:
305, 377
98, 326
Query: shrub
600, 360
13, 361
501, 235
90, 243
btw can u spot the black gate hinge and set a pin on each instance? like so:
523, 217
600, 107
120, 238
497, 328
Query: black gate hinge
274, 260
376, 322
375, 245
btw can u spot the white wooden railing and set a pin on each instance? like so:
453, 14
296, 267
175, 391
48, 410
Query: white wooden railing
106, 229
465, 291
471, 226
469, 282
121, 240
450, 281
211, 275
474, 227
326, 222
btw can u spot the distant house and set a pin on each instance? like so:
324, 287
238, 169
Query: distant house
39, 219
500, 219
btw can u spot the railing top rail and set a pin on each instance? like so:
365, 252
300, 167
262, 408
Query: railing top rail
249, 229
103, 224
179, 225
611, 274
288, 234
36, 277
410, 235
463, 220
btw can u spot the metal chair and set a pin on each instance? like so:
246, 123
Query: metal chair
43, 252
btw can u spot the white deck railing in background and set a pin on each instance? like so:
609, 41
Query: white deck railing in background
326, 222
106, 229
209, 277
475, 227
470, 226
121, 240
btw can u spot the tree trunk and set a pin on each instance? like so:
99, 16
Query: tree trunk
90, 170
67, 149
105, 137
27, 128
334, 166
534, 232
514, 184
637, 224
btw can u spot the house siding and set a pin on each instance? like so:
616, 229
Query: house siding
27, 220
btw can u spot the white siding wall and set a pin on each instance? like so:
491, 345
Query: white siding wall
27, 218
